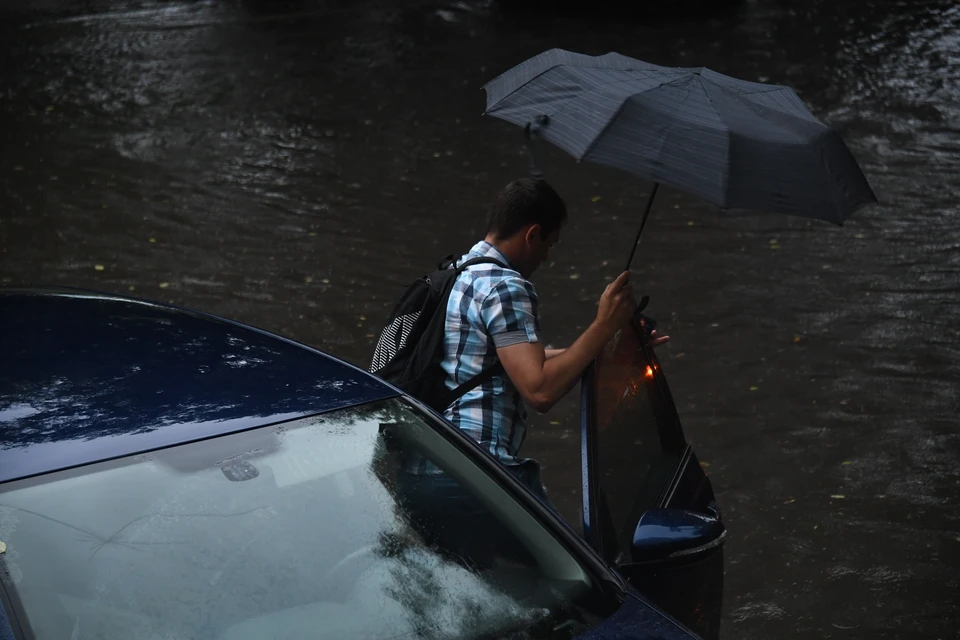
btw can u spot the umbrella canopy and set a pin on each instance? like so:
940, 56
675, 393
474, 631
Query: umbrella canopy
735, 143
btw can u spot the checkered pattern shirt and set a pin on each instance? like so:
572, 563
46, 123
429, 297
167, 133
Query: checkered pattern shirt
489, 307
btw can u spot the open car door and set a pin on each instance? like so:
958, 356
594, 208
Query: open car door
648, 506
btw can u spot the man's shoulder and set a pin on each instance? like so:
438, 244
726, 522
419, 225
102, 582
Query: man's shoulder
492, 279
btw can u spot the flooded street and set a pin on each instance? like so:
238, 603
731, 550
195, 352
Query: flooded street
293, 165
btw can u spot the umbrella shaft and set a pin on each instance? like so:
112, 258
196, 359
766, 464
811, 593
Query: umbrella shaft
643, 221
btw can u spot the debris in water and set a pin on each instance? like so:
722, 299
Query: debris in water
99, 267
790, 501
164, 285
838, 496
574, 276
152, 239
595, 199
3, 547
754, 388
847, 462
308, 279
705, 465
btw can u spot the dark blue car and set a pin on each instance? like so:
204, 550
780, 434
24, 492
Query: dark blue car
169, 474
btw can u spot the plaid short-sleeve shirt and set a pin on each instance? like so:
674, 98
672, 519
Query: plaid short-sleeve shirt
489, 307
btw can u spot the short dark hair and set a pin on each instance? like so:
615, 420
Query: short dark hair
526, 201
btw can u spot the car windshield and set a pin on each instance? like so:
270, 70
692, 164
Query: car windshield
308, 529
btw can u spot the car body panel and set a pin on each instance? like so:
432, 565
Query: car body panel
636, 619
89, 377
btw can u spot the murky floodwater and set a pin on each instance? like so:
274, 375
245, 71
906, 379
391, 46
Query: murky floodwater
293, 164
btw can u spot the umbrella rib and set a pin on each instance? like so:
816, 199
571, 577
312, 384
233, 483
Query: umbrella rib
505, 96
616, 115
726, 177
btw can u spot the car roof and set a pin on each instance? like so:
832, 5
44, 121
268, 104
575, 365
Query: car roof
88, 376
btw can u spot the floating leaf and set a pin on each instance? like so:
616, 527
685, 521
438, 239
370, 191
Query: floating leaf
370, 335
845, 462
50, 108
325, 281
595, 199
790, 501
554, 422
796, 339
3, 547
18, 167
436, 155
98, 267
689, 223
312, 233
705, 465
774, 241
574, 276
131, 288
859, 236
838, 496
164, 285
754, 388
815, 527
308, 279
153, 239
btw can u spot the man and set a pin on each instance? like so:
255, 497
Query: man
492, 314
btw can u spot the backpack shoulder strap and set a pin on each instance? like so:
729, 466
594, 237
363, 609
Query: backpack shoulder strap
473, 261
484, 376
493, 370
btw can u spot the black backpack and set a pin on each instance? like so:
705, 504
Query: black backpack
411, 345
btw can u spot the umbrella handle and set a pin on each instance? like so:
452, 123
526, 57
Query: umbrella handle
530, 131
643, 221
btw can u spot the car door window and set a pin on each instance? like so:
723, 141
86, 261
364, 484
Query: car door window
638, 440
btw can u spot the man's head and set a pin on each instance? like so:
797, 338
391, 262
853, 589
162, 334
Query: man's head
525, 222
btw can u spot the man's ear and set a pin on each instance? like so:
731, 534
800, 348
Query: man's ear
532, 234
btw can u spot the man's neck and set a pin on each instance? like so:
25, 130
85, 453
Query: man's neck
509, 249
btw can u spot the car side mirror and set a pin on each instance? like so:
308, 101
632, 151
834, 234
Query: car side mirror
665, 534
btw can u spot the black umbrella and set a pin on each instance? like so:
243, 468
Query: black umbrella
735, 143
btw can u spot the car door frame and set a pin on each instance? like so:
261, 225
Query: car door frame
686, 487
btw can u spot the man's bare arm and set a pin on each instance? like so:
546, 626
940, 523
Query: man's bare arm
542, 381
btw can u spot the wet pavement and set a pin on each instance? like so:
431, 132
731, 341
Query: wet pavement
293, 164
